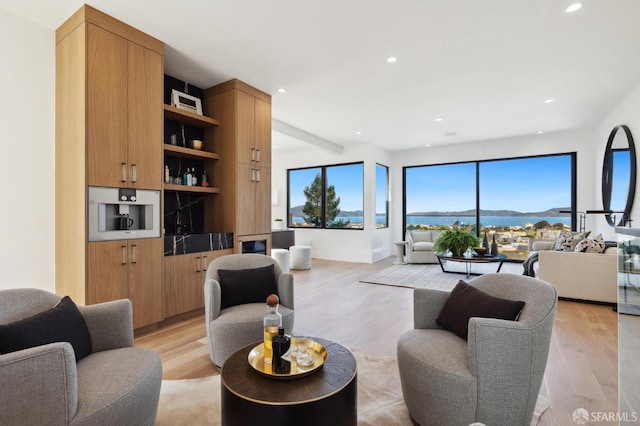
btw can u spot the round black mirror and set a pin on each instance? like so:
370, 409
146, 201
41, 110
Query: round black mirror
619, 176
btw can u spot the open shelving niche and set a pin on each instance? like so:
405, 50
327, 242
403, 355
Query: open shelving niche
205, 159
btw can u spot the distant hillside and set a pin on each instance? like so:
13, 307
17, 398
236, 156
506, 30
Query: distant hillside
509, 213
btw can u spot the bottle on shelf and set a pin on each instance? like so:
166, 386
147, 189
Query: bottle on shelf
194, 177
281, 345
272, 322
205, 178
167, 176
184, 178
188, 177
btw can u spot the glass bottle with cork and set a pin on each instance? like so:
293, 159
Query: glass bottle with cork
272, 322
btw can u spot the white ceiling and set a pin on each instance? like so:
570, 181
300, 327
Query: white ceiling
485, 67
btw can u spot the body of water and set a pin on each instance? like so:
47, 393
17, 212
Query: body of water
498, 221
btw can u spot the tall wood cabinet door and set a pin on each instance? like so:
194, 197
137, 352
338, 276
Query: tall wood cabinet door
106, 107
245, 128
246, 187
263, 132
183, 284
262, 201
145, 280
107, 271
145, 118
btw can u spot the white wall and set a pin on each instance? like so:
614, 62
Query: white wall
368, 245
27, 119
627, 112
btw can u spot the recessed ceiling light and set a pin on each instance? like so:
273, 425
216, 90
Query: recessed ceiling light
450, 134
358, 132
549, 100
438, 119
392, 59
427, 145
540, 132
282, 90
574, 7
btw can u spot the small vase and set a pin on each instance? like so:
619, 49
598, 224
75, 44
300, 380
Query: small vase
494, 246
485, 242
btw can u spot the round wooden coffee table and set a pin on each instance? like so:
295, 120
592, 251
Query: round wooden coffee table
326, 397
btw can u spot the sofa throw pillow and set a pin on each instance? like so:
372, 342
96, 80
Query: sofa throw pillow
588, 245
240, 286
62, 323
466, 301
567, 241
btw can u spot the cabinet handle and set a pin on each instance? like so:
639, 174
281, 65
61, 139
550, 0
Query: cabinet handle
253, 175
124, 255
258, 174
198, 264
134, 173
204, 263
124, 172
134, 250
258, 155
253, 154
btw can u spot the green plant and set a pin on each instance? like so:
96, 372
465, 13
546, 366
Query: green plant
457, 240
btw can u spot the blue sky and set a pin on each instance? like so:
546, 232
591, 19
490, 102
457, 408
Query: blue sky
527, 184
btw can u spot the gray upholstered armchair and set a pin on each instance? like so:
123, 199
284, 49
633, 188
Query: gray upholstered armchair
494, 377
44, 385
420, 246
230, 328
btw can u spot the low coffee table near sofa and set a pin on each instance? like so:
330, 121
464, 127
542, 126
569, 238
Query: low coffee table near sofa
499, 258
325, 397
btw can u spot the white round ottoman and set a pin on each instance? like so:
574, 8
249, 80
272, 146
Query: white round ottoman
282, 257
300, 257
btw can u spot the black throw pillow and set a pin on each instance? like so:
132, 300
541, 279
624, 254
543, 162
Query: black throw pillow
466, 301
62, 323
240, 286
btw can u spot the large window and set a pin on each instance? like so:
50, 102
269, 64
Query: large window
327, 197
382, 196
511, 199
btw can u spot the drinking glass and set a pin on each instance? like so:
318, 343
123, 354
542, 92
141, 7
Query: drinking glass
303, 357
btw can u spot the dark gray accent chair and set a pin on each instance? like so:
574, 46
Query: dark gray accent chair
117, 384
495, 376
237, 326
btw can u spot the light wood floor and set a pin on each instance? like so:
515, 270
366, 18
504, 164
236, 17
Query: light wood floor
332, 303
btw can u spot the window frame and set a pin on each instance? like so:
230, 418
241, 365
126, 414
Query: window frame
323, 177
572, 156
386, 201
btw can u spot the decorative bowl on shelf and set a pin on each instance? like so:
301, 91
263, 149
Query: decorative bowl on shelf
480, 250
195, 144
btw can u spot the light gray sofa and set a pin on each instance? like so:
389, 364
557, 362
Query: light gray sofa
117, 384
420, 246
237, 326
493, 377
580, 276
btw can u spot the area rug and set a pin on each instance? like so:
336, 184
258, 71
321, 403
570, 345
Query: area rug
196, 402
431, 276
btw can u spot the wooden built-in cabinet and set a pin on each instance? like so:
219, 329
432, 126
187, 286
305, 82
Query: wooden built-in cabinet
244, 142
109, 79
184, 276
130, 269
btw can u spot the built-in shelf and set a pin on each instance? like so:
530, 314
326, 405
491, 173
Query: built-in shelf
185, 188
195, 154
187, 117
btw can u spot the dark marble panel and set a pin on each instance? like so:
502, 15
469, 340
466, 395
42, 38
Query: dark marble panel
183, 213
194, 243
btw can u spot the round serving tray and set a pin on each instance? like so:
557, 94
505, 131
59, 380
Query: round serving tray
256, 360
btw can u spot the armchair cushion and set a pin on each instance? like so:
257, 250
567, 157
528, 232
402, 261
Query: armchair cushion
466, 302
62, 323
423, 246
240, 286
